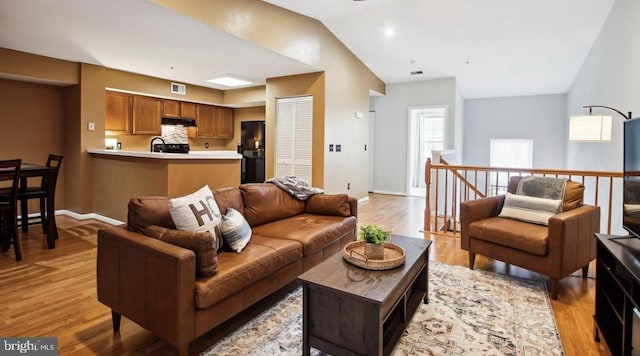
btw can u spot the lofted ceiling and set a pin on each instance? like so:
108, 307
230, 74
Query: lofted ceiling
137, 36
492, 47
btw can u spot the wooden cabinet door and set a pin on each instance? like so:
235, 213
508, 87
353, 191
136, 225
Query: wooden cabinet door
146, 115
188, 110
206, 116
170, 108
118, 112
223, 124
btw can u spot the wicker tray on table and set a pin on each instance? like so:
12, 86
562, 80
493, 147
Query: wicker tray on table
394, 256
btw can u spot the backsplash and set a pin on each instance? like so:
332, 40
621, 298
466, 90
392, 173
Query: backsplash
174, 134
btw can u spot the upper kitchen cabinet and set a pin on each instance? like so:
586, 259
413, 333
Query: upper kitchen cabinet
206, 114
118, 112
223, 123
170, 108
147, 113
188, 110
215, 121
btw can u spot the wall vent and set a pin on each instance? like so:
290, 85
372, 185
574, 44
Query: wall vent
417, 72
177, 88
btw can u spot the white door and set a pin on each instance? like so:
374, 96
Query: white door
294, 137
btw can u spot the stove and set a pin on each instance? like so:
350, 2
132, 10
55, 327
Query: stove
171, 147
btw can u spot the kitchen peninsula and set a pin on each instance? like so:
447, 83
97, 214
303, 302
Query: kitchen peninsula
120, 175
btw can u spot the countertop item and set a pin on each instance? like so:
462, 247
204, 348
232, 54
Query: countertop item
162, 155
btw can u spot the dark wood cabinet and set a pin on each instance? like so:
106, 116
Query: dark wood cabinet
147, 114
617, 292
118, 112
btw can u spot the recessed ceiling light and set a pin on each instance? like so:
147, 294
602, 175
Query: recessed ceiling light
389, 31
229, 80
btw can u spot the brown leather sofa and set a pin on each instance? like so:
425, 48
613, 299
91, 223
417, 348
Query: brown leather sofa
154, 283
567, 244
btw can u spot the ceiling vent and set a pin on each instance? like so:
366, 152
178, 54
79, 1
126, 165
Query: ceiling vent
417, 72
178, 89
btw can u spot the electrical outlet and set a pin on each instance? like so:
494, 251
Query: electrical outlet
206, 145
331, 148
348, 186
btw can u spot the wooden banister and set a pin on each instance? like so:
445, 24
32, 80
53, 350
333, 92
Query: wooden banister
464, 186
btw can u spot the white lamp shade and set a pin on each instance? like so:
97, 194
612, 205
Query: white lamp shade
590, 128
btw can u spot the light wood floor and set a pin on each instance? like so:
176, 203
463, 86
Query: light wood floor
53, 292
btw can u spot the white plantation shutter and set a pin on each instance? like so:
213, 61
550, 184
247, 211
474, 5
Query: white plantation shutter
294, 132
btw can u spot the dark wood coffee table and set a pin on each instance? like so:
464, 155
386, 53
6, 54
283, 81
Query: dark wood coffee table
348, 310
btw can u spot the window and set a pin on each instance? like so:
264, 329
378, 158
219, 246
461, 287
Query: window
508, 153
426, 133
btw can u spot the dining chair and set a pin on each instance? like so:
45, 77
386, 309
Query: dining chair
9, 172
39, 192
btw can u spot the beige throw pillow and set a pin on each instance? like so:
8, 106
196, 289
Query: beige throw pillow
195, 212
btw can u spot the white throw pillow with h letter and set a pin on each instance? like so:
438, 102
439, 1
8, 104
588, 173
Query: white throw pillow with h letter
196, 212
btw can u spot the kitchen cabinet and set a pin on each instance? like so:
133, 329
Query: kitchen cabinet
118, 112
170, 108
147, 113
223, 122
188, 110
215, 121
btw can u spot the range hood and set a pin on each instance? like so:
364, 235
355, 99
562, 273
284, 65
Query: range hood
176, 121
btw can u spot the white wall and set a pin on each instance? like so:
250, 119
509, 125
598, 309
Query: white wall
609, 76
391, 127
540, 117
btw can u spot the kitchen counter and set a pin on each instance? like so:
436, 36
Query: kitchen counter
170, 156
121, 175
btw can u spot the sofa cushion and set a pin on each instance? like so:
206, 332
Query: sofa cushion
530, 238
229, 198
264, 203
529, 209
203, 244
313, 231
261, 258
322, 204
235, 230
145, 211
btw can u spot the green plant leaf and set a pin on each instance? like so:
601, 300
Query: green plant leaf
373, 234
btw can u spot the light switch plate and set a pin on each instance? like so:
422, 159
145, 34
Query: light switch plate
91, 126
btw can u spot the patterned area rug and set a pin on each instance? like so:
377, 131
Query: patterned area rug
469, 313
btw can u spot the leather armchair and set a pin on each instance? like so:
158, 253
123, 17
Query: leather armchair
557, 250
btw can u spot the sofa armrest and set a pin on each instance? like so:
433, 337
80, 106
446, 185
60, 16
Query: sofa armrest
149, 281
353, 206
474, 210
572, 244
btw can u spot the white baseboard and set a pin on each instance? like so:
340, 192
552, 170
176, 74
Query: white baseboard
390, 193
95, 216
363, 200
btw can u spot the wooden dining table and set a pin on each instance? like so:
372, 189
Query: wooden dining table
28, 170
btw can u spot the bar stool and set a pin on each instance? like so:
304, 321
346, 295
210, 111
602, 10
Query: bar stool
9, 172
41, 192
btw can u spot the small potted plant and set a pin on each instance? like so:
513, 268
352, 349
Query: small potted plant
374, 238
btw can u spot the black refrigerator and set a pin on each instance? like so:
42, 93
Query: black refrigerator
252, 146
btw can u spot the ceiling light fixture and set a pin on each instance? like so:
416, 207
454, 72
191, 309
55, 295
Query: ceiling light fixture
229, 80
